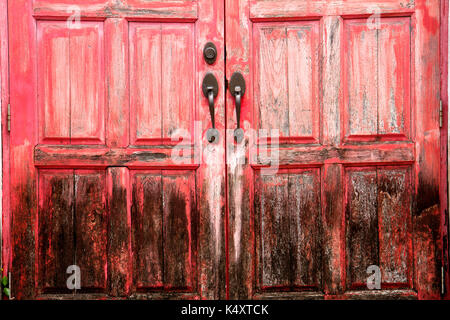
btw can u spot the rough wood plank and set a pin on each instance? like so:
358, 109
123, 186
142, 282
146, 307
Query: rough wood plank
177, 74
394, 75
272, 196
361, 78
23, 173
178, 212
305, 228
427, 229
168, 10
119, 235
91, 228
54, 82
292, 9
271, 78
362, 225
331, 79
145, 75
355, 154
56, 156
118, 84
147, 230
87, 79
333, 229
394, 221
56, 234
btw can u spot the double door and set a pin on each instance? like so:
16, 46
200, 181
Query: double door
225, 149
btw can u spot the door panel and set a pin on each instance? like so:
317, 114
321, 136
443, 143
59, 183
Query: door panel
164, 229
287, 207
106, 95
377, 73
287, 71
71, 83
354, 173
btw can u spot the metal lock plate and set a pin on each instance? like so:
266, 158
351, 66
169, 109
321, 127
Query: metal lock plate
210, 53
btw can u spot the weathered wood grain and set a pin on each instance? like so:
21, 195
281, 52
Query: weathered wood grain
90, 228
56, 233
147, 230
119, 232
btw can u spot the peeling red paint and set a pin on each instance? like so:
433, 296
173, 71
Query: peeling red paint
93, 181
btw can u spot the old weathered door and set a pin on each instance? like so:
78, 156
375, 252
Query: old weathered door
112, 169
108, 171
353, 88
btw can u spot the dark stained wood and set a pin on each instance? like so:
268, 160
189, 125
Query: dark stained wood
91, 228
100, 157
288, 217
305, 228
394, 221
272, 208
362, 224
178, 210
333, 229
56, 234
147, 230
119, 235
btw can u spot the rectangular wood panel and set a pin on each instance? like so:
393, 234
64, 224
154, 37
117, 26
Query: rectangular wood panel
394, 73
361, 78
394, 216
362, 225
305, 228
147, 230
164, 230
54, 81
287, 83
91, 228
377, 79
56, 234
177, 76
178, 209
71, 83
72, 228
287, 208
87, 83
378, 227
145, 75
161, 78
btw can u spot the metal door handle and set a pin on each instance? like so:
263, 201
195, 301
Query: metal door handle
237, 89
210, 89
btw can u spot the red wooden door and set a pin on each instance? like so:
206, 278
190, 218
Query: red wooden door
353, 88
352, 180
103, 95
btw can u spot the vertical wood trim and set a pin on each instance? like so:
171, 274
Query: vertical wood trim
211, 174
333, 229
445, 141
117, 83
426, 214
332, 40
23, 125
240, 175
3, 105
119, 232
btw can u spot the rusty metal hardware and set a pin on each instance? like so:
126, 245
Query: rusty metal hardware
237, 89
210, 88
210, 53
